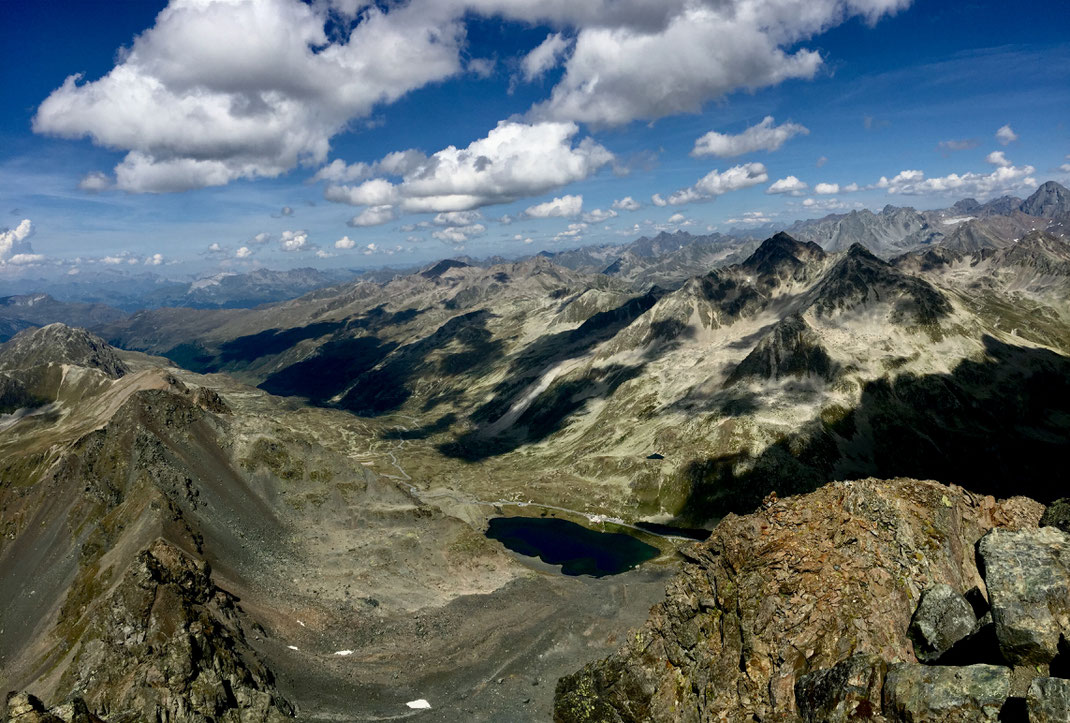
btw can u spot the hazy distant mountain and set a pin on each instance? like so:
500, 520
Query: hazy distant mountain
887, 233
134, 291
245, 290
21, 312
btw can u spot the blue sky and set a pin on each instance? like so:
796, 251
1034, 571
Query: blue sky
207, 135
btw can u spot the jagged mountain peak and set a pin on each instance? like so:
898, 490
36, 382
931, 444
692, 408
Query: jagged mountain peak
860, 278
1048, 201
782, 255
436, 270
60, 344
859, 252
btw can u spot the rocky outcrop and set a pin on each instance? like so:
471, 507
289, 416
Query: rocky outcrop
916, 693
25, 708
168, 645
210, 401
1028, 577
793, 589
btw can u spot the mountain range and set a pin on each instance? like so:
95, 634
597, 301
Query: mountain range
246, 514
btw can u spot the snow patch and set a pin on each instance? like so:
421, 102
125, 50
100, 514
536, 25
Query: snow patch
343, 653
957, 220
418, 704
210, 281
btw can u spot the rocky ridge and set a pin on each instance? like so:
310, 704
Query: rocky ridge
803, 609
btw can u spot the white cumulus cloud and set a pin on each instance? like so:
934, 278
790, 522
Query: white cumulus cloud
515, 160
374, 216
216, 91
761, 137
562, 207
459, 234
15, 245
345, 243
95, 182
1004, 179
599, 215
672, 57
716, 183
243, 252
996, 158
790, 185
457, 218
545, 56
294, 241
627, 204
827, 189
1006, 135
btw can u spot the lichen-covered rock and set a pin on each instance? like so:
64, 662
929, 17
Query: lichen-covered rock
76, 711
1048, 700
25, 708
942, 619
1028, 578
1057, 515
168, 645
848, 691
796, 587
915, 693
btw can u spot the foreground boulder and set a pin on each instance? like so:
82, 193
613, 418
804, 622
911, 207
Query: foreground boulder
1048, 700
1028, 576
943, 618
792, 589
848, 691
916, 693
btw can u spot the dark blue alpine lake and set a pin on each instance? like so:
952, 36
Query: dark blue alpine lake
577, 549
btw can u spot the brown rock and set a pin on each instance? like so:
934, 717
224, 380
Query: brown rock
743, 658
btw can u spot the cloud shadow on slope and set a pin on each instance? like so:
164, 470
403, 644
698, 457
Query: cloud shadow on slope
999, 426
548, 413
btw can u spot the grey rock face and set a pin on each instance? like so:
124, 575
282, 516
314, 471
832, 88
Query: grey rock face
1048, 700
1048, 201
1028, 578
942, 619
915, 693
848, 691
